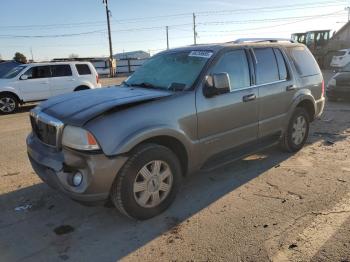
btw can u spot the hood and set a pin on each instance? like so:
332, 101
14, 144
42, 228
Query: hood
342, 78
79, 107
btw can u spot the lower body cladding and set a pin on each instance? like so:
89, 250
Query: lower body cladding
84, 177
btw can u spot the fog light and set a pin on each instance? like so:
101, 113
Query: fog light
77, 179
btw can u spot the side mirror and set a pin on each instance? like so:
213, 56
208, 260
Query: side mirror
23, 77
217, 84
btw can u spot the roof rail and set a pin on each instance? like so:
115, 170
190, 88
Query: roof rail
259, 40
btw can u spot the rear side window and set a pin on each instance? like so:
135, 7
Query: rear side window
83, 69
304, 61
282, 68
235, 64
266, 68
61, 70
38, 72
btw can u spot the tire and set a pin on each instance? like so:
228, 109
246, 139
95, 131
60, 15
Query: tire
137, 201
8, 104
293, 140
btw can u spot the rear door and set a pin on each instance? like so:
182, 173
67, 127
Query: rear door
62, 80
37, 85
228, 120
272, 80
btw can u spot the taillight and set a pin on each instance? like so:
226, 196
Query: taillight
322, 87
97, 79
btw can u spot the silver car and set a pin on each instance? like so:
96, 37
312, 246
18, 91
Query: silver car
186, 109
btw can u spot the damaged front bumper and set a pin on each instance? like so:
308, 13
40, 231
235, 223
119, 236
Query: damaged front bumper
56, 168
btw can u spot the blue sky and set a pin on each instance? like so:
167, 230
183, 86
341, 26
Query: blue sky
140, 24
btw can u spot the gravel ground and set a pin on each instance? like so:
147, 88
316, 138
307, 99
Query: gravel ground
271, 206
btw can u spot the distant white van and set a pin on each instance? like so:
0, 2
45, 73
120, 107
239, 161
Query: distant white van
40, 81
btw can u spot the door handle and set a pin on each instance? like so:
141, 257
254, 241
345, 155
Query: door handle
249, 98
291, 88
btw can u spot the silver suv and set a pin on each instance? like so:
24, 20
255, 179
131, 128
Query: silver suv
185, 109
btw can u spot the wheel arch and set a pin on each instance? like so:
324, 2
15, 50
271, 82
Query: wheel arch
174, 144
309, 107
81, 87
13, 94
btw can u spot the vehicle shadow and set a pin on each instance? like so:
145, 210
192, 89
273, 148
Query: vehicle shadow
26, 108
102, 233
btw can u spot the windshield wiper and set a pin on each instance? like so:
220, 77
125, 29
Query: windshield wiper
145, 85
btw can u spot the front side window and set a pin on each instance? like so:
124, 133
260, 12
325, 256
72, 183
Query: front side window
170, 70
61, 70
83, 69
266, 67
38, 72
235, 64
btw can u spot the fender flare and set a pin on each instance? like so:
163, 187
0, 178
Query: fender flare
300, 96
138, 137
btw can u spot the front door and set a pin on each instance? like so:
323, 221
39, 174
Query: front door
36, 86
228, 120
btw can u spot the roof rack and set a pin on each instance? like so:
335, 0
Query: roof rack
261, 40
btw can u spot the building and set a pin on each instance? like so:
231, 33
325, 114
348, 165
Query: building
132, 55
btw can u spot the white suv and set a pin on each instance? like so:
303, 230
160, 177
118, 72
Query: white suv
341, 59
40, 81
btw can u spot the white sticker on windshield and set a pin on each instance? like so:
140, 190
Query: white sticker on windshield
204, 54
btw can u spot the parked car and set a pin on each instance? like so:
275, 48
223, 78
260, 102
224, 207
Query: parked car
36, 82
339, 85
341, 59
186, 109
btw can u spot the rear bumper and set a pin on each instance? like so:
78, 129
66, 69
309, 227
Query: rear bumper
56, 169
320, 107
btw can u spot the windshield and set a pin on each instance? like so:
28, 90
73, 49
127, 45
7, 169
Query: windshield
177, 70
14, 72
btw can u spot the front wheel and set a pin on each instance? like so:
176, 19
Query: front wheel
297, 132
148, 182
8, 104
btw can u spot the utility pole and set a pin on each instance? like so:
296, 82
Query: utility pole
108, 13
167, 37
31, 52
348, 9
194, 29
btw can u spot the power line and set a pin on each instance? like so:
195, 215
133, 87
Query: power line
180, 25
203, 13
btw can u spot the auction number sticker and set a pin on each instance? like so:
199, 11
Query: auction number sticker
204, 54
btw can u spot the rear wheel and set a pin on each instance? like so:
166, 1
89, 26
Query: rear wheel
297, 132
148, 182
8, 104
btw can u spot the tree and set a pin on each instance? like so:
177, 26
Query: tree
20, 58
72, 56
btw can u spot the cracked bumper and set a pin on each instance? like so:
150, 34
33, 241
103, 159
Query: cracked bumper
56, 169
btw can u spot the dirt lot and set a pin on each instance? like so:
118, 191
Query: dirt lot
268, 207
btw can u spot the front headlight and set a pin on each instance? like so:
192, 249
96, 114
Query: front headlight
79, 138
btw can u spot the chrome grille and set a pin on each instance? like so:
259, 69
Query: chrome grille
46, 128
